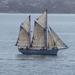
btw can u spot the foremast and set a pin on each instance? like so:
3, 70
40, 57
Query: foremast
30, 32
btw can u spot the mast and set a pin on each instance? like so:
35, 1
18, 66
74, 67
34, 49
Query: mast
29, 29
30, 32
46, 32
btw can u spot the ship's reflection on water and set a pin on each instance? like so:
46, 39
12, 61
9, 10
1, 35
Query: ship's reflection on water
35, 57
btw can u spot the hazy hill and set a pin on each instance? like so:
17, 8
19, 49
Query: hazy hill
34, 6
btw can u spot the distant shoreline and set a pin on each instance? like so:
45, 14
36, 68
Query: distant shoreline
37, 6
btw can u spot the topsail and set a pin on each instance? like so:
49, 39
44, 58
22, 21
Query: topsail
42, 19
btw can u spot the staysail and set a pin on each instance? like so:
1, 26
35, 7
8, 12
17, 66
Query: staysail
50, 40
55, 41
23, 38
38, 37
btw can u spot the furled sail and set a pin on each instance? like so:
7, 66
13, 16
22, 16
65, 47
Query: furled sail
23, 38
38, 40
55, 41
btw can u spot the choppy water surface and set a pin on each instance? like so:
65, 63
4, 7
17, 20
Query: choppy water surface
14, 63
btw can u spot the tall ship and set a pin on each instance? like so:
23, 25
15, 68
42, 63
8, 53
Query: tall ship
39, 39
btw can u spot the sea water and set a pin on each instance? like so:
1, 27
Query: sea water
13, 62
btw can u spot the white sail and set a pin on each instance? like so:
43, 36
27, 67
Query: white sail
56, 41
38, 36
42, 19
23, 38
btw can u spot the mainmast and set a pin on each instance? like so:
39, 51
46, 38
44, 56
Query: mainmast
46, 31
30, 38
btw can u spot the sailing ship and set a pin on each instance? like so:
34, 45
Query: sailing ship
39, 40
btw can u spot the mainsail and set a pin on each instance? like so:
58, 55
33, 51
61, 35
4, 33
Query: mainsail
38, 36
23, 38
42, 25
55, 41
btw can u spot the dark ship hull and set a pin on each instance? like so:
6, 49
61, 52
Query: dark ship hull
38, 52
